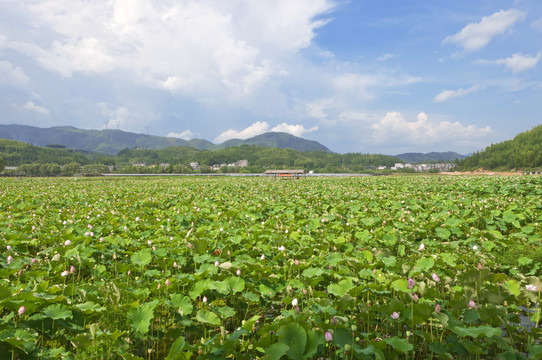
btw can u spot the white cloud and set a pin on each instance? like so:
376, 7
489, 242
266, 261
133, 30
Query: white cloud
519, 62
30, 106
296, 130
12, 76
475, 36
185, 135
199, 49
257, 128
394, 126
262, 127
385, 57
449, 94
537, 24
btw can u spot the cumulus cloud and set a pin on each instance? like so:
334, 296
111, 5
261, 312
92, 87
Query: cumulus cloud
195, 48
449, 94
475, 36
185, 135
12, 76
519, 62
257, 128
31, 106
261, 127
424, 131
296, 130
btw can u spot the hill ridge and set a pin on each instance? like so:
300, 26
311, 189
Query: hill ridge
111, 141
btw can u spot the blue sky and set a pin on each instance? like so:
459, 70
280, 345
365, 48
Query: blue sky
358, 76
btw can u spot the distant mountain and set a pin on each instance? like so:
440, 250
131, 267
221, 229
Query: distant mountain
107, 141
278, 140
111, 141
448, 156
524, 151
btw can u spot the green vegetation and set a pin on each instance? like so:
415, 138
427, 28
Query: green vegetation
257, 268
16, 153
522, 152
37, 161
259, 158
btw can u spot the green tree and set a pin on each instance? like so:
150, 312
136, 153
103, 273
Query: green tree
71, 169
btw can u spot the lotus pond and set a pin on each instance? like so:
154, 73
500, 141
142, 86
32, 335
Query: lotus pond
254, 268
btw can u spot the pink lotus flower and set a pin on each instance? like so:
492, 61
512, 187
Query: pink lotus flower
217, 263
435, 277
21, 311
471, 304
395, 315
159, 286
64, 273
168, 282
67, 243
422, 246
480, 267
294, 302
415, 297
296, 262
410, 283
8, 247
328, 336
262, 257
33, 261
282, 248
238, 272
437, 309
10, 258
72, 269
204, 299
531, 287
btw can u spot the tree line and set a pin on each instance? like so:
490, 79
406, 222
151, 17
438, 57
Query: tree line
522, 152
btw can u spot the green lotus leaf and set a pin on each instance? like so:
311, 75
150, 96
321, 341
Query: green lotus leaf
513, 287
140, 318
479, 331
183, 303
400, 344
57, 311
425, 264
295, 337
176, 350
90, 307
341, 288
208, 317
275, 351
142, 258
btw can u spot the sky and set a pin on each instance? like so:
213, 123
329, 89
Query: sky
368, 76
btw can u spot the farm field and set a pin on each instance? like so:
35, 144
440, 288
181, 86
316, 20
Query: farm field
255, 268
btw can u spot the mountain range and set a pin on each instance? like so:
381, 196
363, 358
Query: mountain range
112, 141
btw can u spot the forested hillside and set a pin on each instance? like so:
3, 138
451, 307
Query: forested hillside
177, 159
259, 158
16, 153
522, 152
